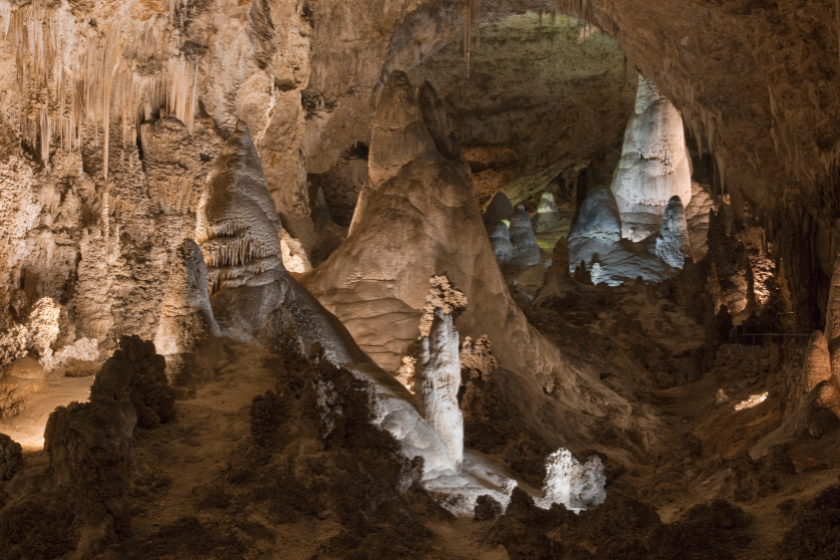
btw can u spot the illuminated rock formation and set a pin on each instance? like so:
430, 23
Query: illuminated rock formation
437, 377
673, 244
654, 164
575, 485
418, 217
254, 298
500, 240
548, 217
526, 251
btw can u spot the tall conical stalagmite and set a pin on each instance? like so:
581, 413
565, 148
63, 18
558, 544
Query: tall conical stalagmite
418, 217
654, 164
255, 298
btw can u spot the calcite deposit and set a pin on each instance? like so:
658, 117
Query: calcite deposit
400, 280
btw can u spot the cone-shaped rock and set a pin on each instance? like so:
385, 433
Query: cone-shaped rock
256, 298
673, 244
421, 220
654, 164
598, 217
548, 217
499, 209
526, 252
502, 247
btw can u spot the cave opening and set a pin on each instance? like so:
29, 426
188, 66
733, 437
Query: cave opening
466, 279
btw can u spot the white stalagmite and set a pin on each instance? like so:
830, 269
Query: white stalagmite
673, 244
654, 165
577, 486
437, 379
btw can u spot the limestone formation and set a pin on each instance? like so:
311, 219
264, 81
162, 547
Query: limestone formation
255, 299
500, 240
673, 244
559, 271
832, 321
526, 251
599, 217
817, 365
548, 217
575, 485
654, 165
437, 378
418, 217
135, 378
186, 318
499, 208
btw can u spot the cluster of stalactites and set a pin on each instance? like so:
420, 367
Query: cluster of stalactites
70, 77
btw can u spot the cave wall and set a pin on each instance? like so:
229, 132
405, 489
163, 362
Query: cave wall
754, 81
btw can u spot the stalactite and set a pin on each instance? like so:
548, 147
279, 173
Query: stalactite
65, 91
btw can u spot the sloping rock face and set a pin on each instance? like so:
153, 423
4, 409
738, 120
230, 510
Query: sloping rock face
418, 217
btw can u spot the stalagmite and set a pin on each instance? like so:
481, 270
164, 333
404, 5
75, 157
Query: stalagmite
437, 378
186, 318
817, 365
654, 164
548, 217
598, 218
502, 247
499, 208
673, 244
417, 217
526, 251
255, 299
575, 485
598, 226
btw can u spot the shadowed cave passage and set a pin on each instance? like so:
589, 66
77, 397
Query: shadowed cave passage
483, 279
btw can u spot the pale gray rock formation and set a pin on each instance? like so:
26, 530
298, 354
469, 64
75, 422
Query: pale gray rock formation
577, 486
673, 244
654, 165
186, 318
418, 217
548, 217
526, 251
499, 208
500, 240
437, 377
596, 239
598, 218
254, 298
